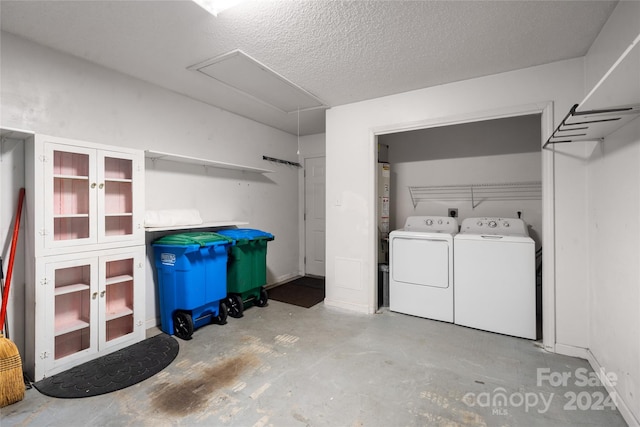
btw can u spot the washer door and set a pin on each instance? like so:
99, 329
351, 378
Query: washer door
419, 261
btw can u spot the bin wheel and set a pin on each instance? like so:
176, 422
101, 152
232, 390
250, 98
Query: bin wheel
236, 306
182, 325
221, 318
263, 300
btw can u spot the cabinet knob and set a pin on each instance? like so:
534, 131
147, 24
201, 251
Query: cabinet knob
94, 295
101, 186
93, 185
102, 294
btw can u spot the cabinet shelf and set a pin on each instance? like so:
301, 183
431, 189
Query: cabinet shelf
118, 313
125, 180
157, 155
77, 177
119, 279
68, 289
477, 193
71, 326
210, 224
63, 216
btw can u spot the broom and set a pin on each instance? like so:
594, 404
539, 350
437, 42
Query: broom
11, 379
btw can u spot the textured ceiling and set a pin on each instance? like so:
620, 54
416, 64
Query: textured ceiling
339, 51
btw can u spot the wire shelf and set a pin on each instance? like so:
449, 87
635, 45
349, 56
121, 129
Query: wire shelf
477, 193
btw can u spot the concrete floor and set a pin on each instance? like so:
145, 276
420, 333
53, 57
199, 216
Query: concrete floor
284, 365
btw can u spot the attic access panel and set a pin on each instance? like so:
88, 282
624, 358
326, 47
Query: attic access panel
239, 71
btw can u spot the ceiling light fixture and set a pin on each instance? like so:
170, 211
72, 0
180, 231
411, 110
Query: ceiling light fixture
214, 7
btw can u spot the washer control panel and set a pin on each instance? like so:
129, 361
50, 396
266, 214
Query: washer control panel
494, 226
432, 224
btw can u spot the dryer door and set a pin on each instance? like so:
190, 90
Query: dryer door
420, 261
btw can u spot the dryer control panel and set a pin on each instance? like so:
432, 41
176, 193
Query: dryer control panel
494, 226
432, 224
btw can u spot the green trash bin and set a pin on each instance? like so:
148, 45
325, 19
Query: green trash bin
246, 269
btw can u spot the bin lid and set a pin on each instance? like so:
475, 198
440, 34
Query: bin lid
200, 238
246, 234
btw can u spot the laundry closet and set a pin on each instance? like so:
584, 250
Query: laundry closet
490, 168
504, 152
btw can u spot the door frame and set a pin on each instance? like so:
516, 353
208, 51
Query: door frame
303, 222
548, 196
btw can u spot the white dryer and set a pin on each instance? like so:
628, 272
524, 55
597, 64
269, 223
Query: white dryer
421, 267
495, 276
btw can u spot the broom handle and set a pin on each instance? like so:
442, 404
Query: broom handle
14, 243
6, 322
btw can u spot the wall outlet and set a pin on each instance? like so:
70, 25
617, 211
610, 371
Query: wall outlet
453, 212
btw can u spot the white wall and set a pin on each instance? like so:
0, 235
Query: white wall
468, 170
350, 134
11, 180
614, 255
47, 92
613, 175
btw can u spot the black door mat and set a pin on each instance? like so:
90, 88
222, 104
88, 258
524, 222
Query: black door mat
114, 371
303, 292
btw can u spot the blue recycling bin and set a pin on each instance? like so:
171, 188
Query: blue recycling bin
246, 269
192, 280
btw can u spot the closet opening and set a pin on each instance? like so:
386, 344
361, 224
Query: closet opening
482, 167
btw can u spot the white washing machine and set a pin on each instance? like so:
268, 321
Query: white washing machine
495, 277
421, 267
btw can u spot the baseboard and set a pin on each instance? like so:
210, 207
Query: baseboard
360, 308
625, 411
281, 280
586, 354
569, 350
152, 323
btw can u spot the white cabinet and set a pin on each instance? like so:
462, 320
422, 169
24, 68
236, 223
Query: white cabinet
85, 252
89, 195
89, 305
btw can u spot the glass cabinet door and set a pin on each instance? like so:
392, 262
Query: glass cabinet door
72, 308
117, 187
69, 201
120, 283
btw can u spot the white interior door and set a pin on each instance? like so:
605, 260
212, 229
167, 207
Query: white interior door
314, 196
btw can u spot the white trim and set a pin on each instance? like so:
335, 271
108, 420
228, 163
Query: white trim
476, 116
152, 323
569, 350
548, 234
372, 298
302, 192
283, 279
613, 391
21, 134
359, 308
302, 242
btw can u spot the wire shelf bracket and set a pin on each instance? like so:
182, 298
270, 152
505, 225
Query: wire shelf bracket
285, 162
592, 125
476, 193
